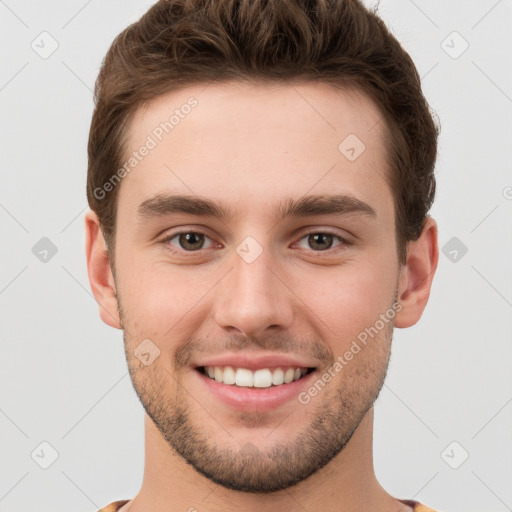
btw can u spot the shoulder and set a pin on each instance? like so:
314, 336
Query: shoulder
417, 506
114, 506
422, 508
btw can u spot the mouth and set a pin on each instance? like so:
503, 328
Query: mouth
261, 378
258, 390
250, 381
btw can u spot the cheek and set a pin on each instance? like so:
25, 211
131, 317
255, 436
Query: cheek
341, 301
349, 299
157, 298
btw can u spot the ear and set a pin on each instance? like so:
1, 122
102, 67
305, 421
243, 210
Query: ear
99, 271
416, 275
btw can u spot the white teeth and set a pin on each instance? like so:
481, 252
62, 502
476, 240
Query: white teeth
262, 378
278, 377
288, 375
244, 377
229, 375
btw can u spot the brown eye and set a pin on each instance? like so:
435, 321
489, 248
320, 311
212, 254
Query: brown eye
191, 241
320, 241
188, 241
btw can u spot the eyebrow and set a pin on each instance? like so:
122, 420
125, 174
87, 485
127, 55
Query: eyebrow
312, 205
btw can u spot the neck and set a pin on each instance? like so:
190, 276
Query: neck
347, 483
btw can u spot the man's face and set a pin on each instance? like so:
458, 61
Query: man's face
252, 284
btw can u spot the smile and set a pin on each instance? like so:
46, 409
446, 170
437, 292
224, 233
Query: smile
258, 390
261, 378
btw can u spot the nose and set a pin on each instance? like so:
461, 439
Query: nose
254, 297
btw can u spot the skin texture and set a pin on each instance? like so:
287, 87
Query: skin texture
251, 146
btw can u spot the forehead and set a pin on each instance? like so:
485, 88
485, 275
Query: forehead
254, 142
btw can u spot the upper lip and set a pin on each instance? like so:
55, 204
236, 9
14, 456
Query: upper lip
255, 361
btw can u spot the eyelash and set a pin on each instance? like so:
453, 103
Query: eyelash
344, 242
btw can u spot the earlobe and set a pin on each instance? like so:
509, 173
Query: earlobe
99, 271
416, 275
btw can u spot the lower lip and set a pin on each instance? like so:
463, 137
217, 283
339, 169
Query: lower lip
256, 399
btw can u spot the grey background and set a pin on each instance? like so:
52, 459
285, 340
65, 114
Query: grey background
63, 373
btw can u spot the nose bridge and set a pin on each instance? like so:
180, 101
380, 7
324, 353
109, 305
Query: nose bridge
253, 297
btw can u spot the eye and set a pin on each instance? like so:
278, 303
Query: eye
189, 241
194, 241
320, 241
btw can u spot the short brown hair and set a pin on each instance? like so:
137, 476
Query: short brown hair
181, 42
